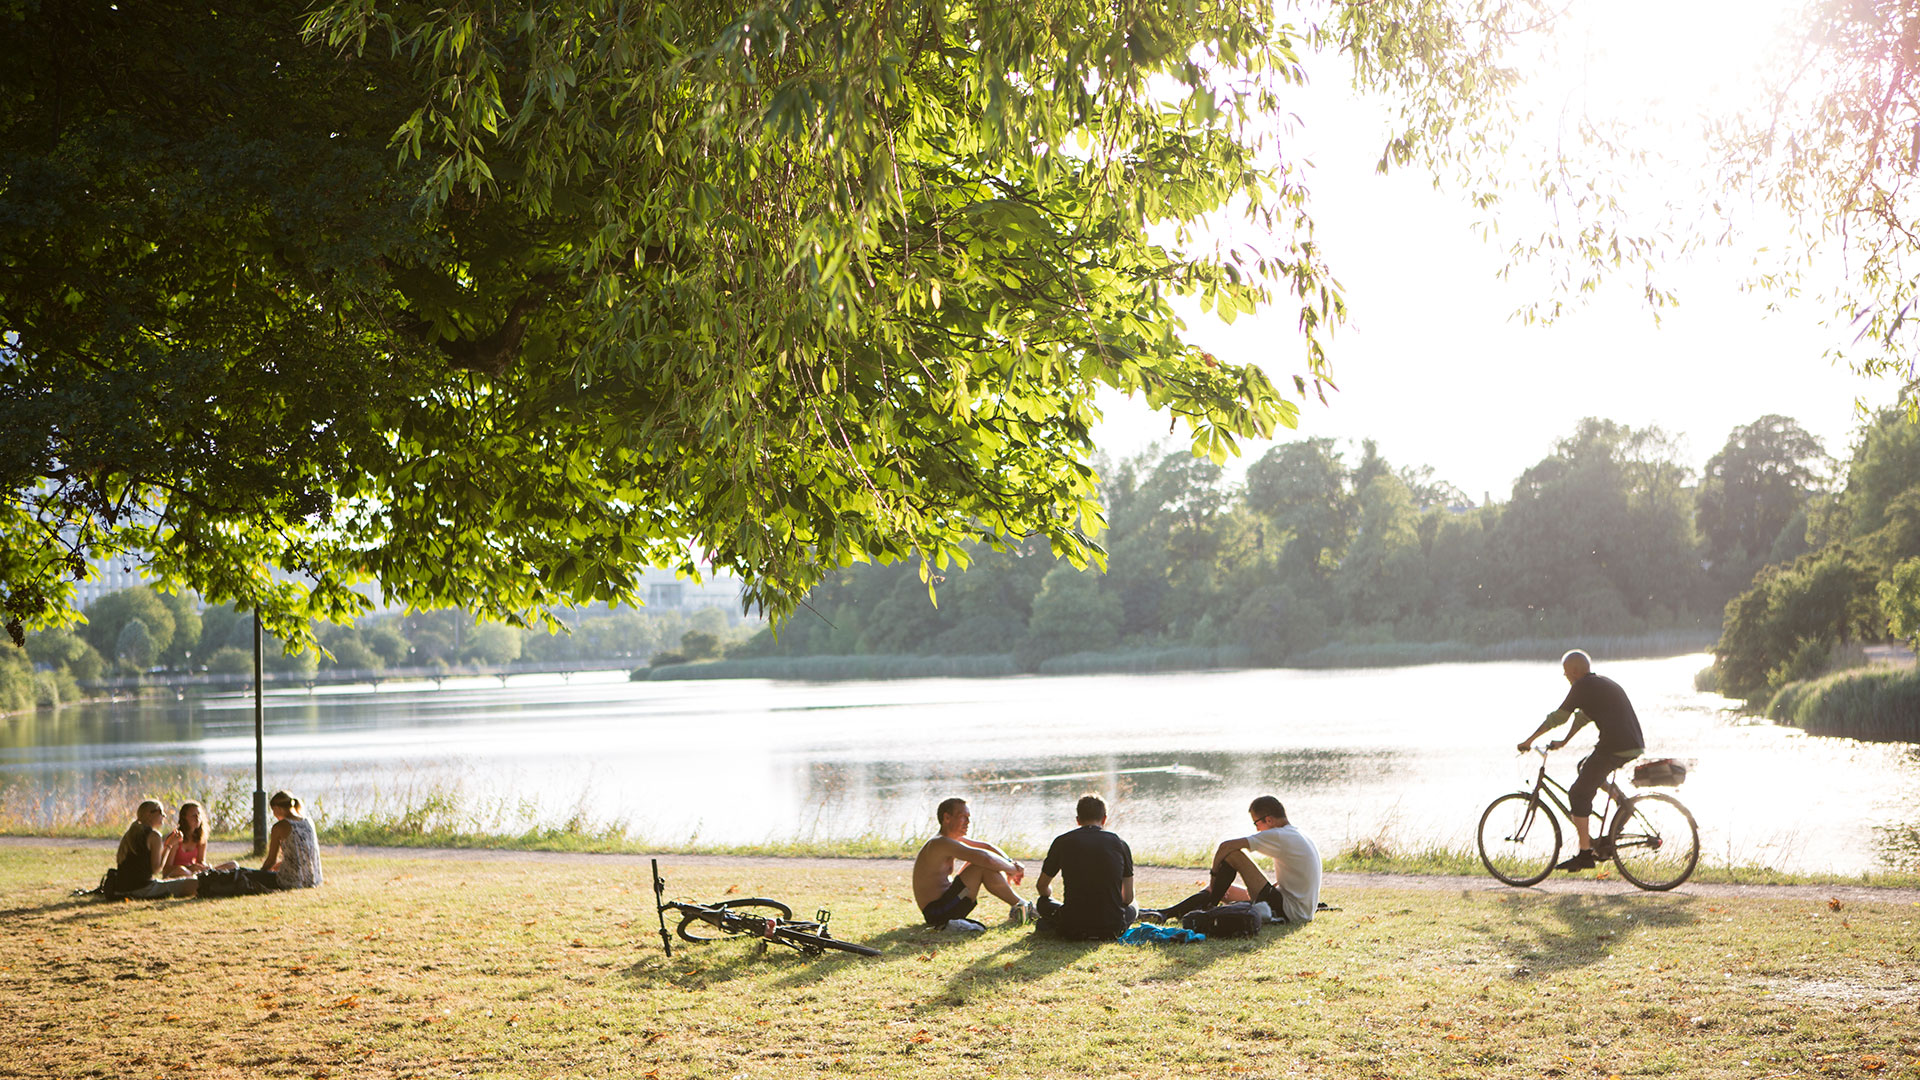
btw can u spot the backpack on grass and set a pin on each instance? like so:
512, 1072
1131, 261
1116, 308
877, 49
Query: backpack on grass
1228, 920
240, 882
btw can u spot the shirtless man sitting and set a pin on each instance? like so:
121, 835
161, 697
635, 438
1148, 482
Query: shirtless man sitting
944, 897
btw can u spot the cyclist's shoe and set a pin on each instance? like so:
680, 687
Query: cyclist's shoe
1022, 913
1602, 847
963, 926
1583, 861
1154, 917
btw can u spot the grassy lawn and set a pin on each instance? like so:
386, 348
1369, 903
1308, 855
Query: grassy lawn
444, 967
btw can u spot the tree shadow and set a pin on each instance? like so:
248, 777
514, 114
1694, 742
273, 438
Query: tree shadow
1549, 934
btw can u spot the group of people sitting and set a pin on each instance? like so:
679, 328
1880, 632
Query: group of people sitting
1095, 869
150, 865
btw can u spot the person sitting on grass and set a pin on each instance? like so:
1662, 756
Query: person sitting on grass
1294, 893
188, 854
946, 898
143, 853
293, 850
1097, 869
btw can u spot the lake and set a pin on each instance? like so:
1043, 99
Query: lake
1411, 755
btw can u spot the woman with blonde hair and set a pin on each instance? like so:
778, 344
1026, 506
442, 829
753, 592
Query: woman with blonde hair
293, 849
142, 855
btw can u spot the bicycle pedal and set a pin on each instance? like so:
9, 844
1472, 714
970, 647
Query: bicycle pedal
823, 916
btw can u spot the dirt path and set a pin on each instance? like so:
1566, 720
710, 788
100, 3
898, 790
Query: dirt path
1147, 877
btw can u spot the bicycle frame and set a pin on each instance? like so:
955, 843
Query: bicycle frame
1556, 793
800, 934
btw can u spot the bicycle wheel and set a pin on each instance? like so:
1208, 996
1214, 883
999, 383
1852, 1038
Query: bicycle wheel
1655, 841
811, 944
1519, 839
695, 926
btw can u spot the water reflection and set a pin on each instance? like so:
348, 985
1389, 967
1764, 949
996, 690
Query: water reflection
1408, 754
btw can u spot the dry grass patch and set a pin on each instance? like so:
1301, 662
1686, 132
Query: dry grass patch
403, 968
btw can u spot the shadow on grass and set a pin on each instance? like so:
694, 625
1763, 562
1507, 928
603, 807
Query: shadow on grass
1548, 934
1024, 959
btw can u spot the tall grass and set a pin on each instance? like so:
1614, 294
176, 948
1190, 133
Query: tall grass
103, 805
1877, 704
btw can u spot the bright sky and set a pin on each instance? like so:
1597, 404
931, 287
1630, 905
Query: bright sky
1433, 368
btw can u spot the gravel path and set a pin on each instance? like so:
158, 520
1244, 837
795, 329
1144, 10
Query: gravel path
1152, 878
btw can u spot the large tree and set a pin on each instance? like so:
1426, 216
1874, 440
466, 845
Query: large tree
497, 303
1756, 485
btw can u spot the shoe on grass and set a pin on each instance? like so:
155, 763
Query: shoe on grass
963, 926
1583, 861
1022, 913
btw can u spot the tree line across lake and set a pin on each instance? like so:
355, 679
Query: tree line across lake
1320, 554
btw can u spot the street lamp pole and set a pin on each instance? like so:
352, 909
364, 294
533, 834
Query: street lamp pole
259, 744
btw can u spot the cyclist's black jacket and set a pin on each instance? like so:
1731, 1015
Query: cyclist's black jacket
1606, 704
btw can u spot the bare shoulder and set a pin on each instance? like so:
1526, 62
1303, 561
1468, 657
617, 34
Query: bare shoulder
282, 828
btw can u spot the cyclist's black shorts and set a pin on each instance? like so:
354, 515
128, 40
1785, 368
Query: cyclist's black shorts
952, 904
1593, 771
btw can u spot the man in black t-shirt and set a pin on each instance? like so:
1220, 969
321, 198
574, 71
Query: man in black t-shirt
1598, 699
1098, 869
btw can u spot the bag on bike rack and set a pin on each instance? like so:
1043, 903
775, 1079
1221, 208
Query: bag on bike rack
1660, 772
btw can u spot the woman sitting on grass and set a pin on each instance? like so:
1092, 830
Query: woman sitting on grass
187, 853
143, 853
293, 850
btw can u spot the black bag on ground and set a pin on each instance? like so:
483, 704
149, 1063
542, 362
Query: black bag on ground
1226, 920
239, 882
1660, 772
106, 887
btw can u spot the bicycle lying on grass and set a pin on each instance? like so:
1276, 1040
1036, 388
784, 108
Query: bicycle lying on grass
756, 917
1652, 840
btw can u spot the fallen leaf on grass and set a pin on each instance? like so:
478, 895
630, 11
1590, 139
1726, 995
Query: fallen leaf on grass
1834, 903
1872, 1062
921, 1037
173, 1018
351, 1001
732, 890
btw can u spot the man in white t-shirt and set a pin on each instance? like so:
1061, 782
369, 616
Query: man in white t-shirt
1294, 892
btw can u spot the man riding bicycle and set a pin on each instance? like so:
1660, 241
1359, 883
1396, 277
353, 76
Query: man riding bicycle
1598, 699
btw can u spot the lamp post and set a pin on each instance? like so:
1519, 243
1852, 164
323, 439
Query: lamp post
259, 744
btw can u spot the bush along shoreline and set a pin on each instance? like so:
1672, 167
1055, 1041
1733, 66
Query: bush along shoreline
1183, 658
1876, 704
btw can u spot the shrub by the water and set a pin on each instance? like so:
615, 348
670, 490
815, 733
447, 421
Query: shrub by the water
1879, 704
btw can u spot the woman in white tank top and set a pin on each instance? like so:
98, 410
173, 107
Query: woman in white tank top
293, 849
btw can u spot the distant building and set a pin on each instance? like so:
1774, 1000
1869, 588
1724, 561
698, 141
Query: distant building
663, 591
108, 576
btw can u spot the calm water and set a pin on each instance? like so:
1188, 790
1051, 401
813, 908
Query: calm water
1412, 754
